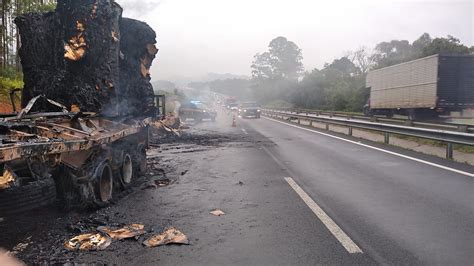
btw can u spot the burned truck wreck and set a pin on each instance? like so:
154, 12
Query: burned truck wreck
87, 104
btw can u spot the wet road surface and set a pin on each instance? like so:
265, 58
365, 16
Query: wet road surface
291, 197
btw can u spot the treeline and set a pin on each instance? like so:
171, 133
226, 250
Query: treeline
10, 66
279, 79
339, 85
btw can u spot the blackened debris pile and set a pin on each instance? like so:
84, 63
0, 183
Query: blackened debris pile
86, 55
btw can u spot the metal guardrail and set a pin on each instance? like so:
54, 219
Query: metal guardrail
381, 119
447, 136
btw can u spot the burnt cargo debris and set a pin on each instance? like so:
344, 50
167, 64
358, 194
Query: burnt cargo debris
86, 55
138, 50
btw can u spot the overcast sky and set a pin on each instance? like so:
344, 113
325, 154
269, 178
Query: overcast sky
222, 36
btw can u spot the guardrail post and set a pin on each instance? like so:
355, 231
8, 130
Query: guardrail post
449, 151
350, 131
327, 127
311, 123
299, 121
386, 138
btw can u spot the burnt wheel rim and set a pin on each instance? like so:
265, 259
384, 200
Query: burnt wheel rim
127, 169
105, 184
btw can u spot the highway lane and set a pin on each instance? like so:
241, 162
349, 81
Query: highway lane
397, 210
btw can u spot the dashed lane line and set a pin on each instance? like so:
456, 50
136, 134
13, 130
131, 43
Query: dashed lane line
335, 230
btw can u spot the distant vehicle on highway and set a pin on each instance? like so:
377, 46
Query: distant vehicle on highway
423, 88
250, 109
197, 110
233, 107
230, 102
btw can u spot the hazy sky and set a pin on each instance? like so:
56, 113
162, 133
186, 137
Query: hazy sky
222, 36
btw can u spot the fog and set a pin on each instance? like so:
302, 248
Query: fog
222, 36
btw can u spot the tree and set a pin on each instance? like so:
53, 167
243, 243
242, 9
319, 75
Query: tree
449, 45
343, 66
362, 59
393, 52
282, 61
420, 44
276, 71
262, 67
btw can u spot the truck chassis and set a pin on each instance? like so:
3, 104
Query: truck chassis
87, 156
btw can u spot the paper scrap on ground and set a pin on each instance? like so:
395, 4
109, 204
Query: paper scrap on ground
88, 242
125, 232
217, 213
169, 236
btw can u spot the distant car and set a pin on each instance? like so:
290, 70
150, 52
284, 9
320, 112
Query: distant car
197, 110
233, 107
229, 102
250, 109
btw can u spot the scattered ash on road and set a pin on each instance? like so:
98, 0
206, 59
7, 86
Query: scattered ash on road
38, 237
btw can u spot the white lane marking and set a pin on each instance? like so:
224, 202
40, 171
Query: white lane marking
378, 149
335, 230
245, 131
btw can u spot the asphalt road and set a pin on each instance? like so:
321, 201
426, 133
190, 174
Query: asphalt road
397, 210
291, 197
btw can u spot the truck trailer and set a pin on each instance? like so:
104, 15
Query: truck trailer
423, 88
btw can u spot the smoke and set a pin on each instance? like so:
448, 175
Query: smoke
133, 8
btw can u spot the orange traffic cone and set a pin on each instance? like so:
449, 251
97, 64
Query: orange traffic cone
234, 122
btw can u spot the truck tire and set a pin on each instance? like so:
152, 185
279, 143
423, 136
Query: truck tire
126, 171
103, 185
139, 161
412, 114
35, 195
367, 111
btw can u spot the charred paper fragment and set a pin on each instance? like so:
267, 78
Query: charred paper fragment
129, 231
8, 178
169, 236
88, 242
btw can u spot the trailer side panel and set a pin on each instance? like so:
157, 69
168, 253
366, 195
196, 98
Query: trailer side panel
408, 85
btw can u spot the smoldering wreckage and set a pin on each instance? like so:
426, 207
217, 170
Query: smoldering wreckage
87, 111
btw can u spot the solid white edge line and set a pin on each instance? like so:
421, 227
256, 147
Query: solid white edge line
245, 131
335, 230
378, 149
